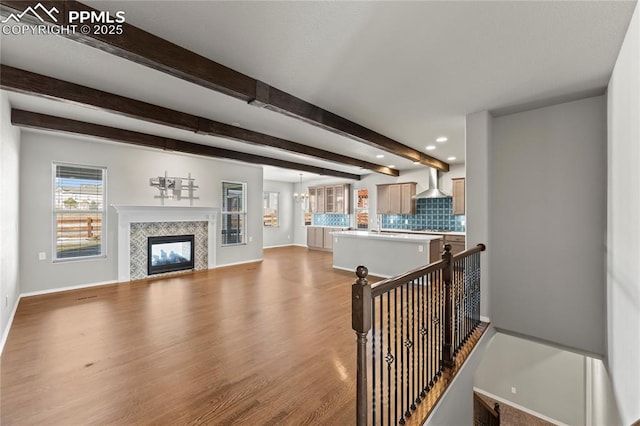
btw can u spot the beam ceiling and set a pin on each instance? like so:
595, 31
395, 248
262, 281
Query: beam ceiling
152, 51
26, 82
38, 121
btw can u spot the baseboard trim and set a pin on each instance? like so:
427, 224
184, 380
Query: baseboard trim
226, 265
277, 246
5, 334
519, 407
69, 288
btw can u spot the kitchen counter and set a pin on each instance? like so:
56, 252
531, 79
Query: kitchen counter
421, 237
384, 254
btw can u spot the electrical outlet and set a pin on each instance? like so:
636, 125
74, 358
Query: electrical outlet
420, 248
250, 239
514, 390
42, 255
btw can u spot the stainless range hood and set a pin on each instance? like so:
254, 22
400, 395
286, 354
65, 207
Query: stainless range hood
432, 191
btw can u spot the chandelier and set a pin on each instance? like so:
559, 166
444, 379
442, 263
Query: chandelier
300, 197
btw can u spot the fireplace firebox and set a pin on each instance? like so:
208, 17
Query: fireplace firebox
170, 253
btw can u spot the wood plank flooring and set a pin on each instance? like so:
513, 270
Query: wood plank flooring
267, 343
262, 343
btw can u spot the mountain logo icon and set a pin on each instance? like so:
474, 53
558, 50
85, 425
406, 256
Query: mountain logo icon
34, 11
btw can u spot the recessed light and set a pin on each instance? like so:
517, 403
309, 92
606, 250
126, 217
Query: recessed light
379, 156
430, 147
235, 123
416, 162
442, 139
451, 158
391, 166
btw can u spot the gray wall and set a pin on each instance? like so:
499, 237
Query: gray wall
128, 172
9, 216
547, 223
548, 380
623, 228
456, 405
477, 190
283, 234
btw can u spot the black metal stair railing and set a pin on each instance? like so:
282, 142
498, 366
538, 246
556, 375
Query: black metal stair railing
417, 322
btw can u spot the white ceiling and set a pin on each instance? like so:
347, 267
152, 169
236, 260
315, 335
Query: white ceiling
408, 70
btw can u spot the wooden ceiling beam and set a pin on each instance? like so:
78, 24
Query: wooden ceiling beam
152, 51
26, 82
39, 121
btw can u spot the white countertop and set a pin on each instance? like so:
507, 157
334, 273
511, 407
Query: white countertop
406, 237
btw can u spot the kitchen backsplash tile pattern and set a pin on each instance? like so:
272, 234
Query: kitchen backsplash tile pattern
337, 220
431, 213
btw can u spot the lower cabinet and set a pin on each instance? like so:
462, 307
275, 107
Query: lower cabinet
457, 243
436, 247
328, 239
320, 238
315, 237
435, 250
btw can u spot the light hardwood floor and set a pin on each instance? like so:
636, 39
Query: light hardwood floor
256, 344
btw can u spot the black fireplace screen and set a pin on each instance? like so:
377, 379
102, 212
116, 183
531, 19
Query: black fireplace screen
170, 253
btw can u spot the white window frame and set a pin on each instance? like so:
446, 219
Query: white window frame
56, 210
268, 198
357, 209
242, 231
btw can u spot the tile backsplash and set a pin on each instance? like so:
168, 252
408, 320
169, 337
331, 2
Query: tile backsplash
431, 213
334, 220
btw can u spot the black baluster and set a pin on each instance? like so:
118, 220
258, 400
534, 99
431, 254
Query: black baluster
373, 358
382, 356
390, 357
395, 343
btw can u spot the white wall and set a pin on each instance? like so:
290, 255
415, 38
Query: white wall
9, 215
623, 227
601, 401
283, 234
128, 171
547, 223
548, 380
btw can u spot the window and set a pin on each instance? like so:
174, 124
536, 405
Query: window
233, 213
78, 211
362, 208
270, 209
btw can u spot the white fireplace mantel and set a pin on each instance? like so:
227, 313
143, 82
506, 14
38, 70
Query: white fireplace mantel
128, 214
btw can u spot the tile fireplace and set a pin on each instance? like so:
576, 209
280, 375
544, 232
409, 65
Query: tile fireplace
136, 224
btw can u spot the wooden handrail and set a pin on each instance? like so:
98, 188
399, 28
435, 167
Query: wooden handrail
427, 293
493, 411
390, 283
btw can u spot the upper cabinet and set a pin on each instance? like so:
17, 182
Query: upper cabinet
329, 199
397, 198
316, 199
458, 189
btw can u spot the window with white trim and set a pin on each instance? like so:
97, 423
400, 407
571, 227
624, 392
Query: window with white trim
362, 208
270, 211
79, 212
234, 214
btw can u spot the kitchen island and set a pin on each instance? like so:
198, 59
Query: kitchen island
384, 254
